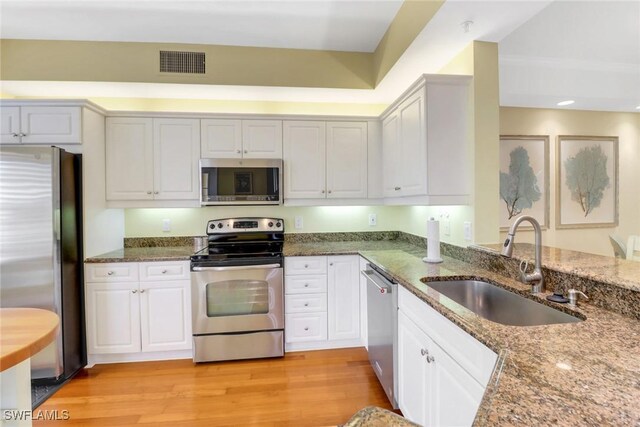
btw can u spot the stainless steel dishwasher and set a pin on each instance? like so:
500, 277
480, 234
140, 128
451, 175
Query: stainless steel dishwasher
382, 322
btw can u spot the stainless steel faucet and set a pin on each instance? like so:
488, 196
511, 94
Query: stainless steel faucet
536, 279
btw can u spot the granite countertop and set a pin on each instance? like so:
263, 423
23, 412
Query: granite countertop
142, 254
585, 373
618, 272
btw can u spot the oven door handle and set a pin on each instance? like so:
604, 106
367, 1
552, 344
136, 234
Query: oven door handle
240, 267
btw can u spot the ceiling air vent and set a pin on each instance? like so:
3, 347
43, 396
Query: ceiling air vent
172, 61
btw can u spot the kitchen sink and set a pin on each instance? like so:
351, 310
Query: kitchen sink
499, 305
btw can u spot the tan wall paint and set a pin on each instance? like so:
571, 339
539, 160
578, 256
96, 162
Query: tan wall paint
50, 60
224, 106
479, 59
412, 17
192, 222
554, 122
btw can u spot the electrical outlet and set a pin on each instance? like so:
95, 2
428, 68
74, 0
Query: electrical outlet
373, 219
298, 222
446, 224
166, 225
467, 231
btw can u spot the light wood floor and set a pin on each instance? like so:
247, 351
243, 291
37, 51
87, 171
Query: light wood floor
315, 388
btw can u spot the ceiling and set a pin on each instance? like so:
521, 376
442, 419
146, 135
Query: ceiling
588, 51
337, 25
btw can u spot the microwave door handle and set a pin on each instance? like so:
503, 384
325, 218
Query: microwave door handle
240, 267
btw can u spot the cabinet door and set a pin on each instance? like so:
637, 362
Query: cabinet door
50, 125
413, 140
346, 160
413, 371
262, 139
304, 159
165, 314
221, 139
455, 396
176, 152
391, 156
129, 147
113, 318
9, 125
343, 295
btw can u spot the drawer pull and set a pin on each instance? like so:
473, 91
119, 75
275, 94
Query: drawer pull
134, 291
306, 285
142, 291
306, 304
164, 271
109, 273
306, 266
306, 328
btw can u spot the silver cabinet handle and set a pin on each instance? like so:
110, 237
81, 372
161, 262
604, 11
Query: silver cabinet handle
15, 135
329, 191
238, 151
322, 191
330, 264
142, 291
156, 192
245, 151
109, 273
423, 352
306, 304
306, 266
397, 188
241, 267
148, 192
134, 291
306, 285
21, 134
306, 328
164, 271
430, 358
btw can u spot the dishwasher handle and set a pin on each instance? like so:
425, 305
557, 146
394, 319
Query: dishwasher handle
373, 278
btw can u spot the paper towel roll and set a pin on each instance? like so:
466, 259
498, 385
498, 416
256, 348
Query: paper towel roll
433, 242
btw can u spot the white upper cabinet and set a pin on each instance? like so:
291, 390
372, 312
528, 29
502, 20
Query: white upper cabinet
325, 160
152, 159
129, 158
347, 160
41, 125
221, 139
262, 139
426, 143
236, 139
176, 152
304, 159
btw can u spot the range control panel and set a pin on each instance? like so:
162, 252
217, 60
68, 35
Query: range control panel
239, 225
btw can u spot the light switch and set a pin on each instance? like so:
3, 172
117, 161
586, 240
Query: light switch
298, 222
166, 225
467, 231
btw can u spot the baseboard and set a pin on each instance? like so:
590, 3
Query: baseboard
322, 345
94, 359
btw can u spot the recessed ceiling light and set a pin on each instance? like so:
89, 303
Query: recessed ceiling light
567, 102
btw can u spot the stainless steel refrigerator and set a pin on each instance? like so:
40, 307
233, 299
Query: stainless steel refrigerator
41, 249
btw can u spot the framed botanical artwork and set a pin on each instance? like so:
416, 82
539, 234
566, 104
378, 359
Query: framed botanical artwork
243, 182
587, 182
524, 178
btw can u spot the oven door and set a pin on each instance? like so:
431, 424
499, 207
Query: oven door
237, 298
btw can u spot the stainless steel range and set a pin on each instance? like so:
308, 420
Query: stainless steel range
237, 290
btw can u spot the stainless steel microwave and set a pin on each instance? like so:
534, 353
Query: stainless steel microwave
240, 182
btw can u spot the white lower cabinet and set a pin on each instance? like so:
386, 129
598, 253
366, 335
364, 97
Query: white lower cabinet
434, 389
147, 313
322, 302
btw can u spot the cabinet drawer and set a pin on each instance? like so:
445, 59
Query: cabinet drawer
112, 272
305, 303
473, 356
164, 271
305, 284
305, 265
301, 327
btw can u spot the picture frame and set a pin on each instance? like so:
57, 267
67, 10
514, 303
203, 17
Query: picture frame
243, 182
587, 182
524, 189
